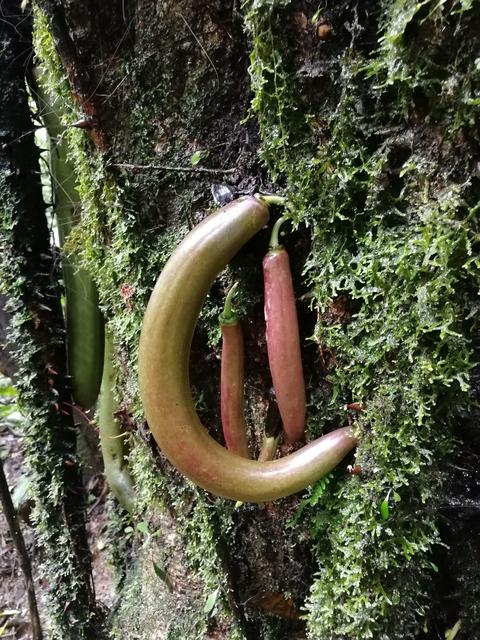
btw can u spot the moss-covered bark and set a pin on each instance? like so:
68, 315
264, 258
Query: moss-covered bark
366, 116
29, 275
376, 141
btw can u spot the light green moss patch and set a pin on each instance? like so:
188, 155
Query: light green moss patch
394, 233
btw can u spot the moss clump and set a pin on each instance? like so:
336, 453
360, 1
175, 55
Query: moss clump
424, 63
393, 218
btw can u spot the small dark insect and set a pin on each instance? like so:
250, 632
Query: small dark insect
355, 406
355, 470
222, 194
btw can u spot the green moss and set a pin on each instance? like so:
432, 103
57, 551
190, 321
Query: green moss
119, 544
282, 125
47, 442
394, 232
148, 608
125, 255
195, 583
423, 62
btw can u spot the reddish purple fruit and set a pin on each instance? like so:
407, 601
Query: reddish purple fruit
283, 340
232, 380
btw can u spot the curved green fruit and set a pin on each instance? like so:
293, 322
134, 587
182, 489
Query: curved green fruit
165, 342
111, 438
85, 331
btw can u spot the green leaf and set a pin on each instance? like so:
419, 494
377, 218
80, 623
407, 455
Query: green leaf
162, 574
384, 509
450, 634
211, 602
143, 527
128, 530
197, 156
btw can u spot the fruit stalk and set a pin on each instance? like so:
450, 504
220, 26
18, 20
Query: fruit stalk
268, 450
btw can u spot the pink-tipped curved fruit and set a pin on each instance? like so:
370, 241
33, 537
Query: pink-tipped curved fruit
232, 380
283, 339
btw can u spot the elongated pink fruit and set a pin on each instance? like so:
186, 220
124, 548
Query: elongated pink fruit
232, 380
283, 340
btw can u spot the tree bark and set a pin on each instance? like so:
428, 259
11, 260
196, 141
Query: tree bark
7, 364
363, 112
30, 279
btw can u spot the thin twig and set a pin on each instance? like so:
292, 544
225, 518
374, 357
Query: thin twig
19, 542
168, 167
79, 411
201, 47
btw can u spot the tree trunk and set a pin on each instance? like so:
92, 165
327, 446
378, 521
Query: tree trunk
7, 363
364, 115
29, 272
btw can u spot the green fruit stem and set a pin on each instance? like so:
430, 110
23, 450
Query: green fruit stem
112, 441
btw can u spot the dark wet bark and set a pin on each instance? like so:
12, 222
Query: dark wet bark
7, 364
31, 272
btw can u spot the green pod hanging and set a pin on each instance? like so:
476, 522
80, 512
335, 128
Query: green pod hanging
112, 440
85, 332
